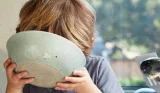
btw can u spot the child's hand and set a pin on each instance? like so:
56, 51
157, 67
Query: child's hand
81, 84
15, 82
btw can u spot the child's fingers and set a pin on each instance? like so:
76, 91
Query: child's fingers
27, 80
80, 73
67, 85
10, 68
6, 63
19, 75
75, 79
59, 88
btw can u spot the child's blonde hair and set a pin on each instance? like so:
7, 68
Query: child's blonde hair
72, 19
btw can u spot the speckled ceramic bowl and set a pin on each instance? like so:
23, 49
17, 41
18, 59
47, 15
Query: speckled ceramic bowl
46, 56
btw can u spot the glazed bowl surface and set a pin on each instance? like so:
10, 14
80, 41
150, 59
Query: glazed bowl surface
46, 56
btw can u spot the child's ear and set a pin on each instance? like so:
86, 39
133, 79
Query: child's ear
92, 42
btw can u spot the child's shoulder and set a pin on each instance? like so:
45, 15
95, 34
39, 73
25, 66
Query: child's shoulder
98, 67
96, 60
97, 63
95, 57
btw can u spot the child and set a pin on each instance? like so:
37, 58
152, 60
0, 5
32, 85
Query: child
74, 20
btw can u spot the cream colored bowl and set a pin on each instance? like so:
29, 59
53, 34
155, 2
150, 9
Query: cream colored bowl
46, 56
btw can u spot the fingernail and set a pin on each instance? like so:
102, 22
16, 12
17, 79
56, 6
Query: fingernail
33, 79
9, 59
57, 88
13, 65
26, 72
66, 78
74, 72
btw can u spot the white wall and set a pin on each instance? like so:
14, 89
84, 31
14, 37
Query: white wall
9, 12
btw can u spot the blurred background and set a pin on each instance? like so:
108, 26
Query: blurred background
124, 29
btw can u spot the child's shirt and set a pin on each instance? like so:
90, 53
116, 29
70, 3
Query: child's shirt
101, 73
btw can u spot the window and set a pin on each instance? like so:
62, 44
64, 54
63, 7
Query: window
126, 29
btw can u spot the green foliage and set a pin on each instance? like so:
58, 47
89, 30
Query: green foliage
132, 82
118, 55
131, 47
135, 21
132, 25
